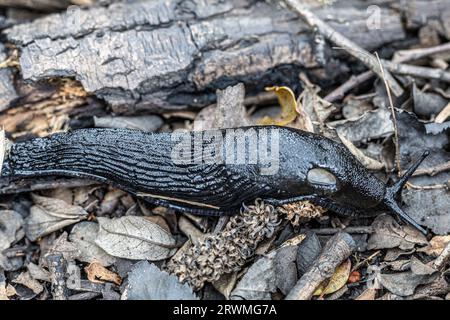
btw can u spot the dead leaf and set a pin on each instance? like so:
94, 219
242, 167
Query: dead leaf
61, 246
25, 279
38, 273
147, 282
404, 283
10, 231
420, 268
337, 280
99, 274
427, 104
389, 234
368, 294
3, 295
110, 201
288, 103
436, 245
371, 125
134, 237
308, 251
366, 161
83, 236
49, 215
285, 264
258, 283
10, 224
226, 284
317, 109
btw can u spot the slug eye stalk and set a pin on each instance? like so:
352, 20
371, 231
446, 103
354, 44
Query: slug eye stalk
393, 192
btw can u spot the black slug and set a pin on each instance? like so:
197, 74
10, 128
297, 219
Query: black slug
213, 172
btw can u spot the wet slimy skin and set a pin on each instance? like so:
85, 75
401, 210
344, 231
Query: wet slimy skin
307, 167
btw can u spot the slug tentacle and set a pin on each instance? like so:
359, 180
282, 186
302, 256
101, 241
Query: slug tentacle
393, 193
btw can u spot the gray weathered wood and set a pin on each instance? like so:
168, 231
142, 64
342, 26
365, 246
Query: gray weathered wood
7, 90
165, 55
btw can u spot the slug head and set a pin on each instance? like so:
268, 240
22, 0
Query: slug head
315, 165
393, 194
319, 166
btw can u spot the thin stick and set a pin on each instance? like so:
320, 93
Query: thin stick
443, 115
331, 231
431, 171
417, 71
399, 57
394, 118
351, 47
337, 250
351, 83
443, 258
415, 54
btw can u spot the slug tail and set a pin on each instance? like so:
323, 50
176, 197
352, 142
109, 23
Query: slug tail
393, 192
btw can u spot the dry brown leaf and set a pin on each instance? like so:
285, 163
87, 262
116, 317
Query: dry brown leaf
27, 280
368, 294
49, 215
317, 109
437, 244
135, 238
389, 234
97, 273
337, 280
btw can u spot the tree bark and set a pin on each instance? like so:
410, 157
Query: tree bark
169, 55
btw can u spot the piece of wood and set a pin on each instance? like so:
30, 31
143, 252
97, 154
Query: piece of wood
57, 266
337, 249
44, 5
345, 43
27, 185
163, 55
8, 92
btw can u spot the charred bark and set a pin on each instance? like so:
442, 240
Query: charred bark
165, 55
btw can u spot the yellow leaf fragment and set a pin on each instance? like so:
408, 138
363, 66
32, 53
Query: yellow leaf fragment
97, 273
337, 280
288, 103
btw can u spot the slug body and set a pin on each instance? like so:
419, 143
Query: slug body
277, 164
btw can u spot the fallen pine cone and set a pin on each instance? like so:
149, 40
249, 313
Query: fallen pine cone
302, 211
228, 250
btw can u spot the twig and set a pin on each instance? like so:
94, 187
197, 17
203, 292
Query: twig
351, 83
331, 231
58, 267
399, 57
415, 54
359, 264
351, 47
443, 115
443, 258
337, 249
431, 171
26, 185
417, 71
394, 118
